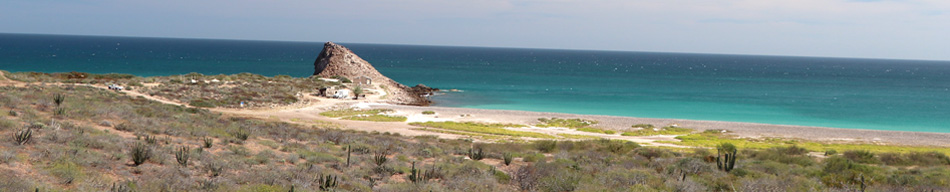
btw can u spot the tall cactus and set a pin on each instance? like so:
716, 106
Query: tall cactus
349, 149
181, 155
417, 176
726, 157
328, 182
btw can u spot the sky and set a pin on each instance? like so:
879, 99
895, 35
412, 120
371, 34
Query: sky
894, 29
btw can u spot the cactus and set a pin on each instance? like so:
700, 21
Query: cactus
120, 188
208, 142
58, 99
476, 153
140, 153
243, 135
291, 188
151, 139
418, 176
380, 159
726, 157
23, 136
60, 112
349, 149
215, 169
181, 155
327, 182
507, 157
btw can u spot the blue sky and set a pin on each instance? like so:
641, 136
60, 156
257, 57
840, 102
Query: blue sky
898, 29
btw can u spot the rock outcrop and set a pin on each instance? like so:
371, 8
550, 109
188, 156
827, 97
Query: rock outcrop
336, 60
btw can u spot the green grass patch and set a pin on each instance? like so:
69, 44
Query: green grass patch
710, 140
596, 130
354, 112
479, 135
569, 123
576, 136
661, 131
492, 129
377, 118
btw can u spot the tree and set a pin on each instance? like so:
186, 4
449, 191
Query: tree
358, 91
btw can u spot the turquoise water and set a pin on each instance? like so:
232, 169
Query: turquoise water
830, 92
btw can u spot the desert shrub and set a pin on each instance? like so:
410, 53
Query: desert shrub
545, 146
915, 158
533, 157
428, 112
619, 147
860, 156
650, 152
831, 152
67, 171
202, 103
787, 155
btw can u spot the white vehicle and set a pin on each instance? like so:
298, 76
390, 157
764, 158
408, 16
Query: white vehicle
342, 94
116, 87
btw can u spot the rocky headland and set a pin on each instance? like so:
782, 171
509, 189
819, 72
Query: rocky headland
338, 61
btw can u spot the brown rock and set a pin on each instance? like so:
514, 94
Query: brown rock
336, 60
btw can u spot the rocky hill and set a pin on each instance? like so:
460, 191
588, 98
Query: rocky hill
336, 60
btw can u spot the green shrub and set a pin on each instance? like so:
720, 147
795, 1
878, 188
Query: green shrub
428, 112
66, 171
567, 123
860, 156
643, 126
545, 146
831, 152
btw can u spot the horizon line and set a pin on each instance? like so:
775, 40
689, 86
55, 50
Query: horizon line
473, 46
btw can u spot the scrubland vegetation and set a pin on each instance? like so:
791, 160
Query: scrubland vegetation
96, 140
229, 90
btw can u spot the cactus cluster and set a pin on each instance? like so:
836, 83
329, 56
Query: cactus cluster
208, 142
417, 175
181, 155
726, 157
476, 153
380, 158
23, 136
328, 182
140, 153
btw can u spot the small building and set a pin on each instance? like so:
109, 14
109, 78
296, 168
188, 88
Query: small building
363, 80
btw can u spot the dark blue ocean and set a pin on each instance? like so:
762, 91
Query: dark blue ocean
831, 92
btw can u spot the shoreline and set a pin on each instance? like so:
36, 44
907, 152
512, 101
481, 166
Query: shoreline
741, 129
